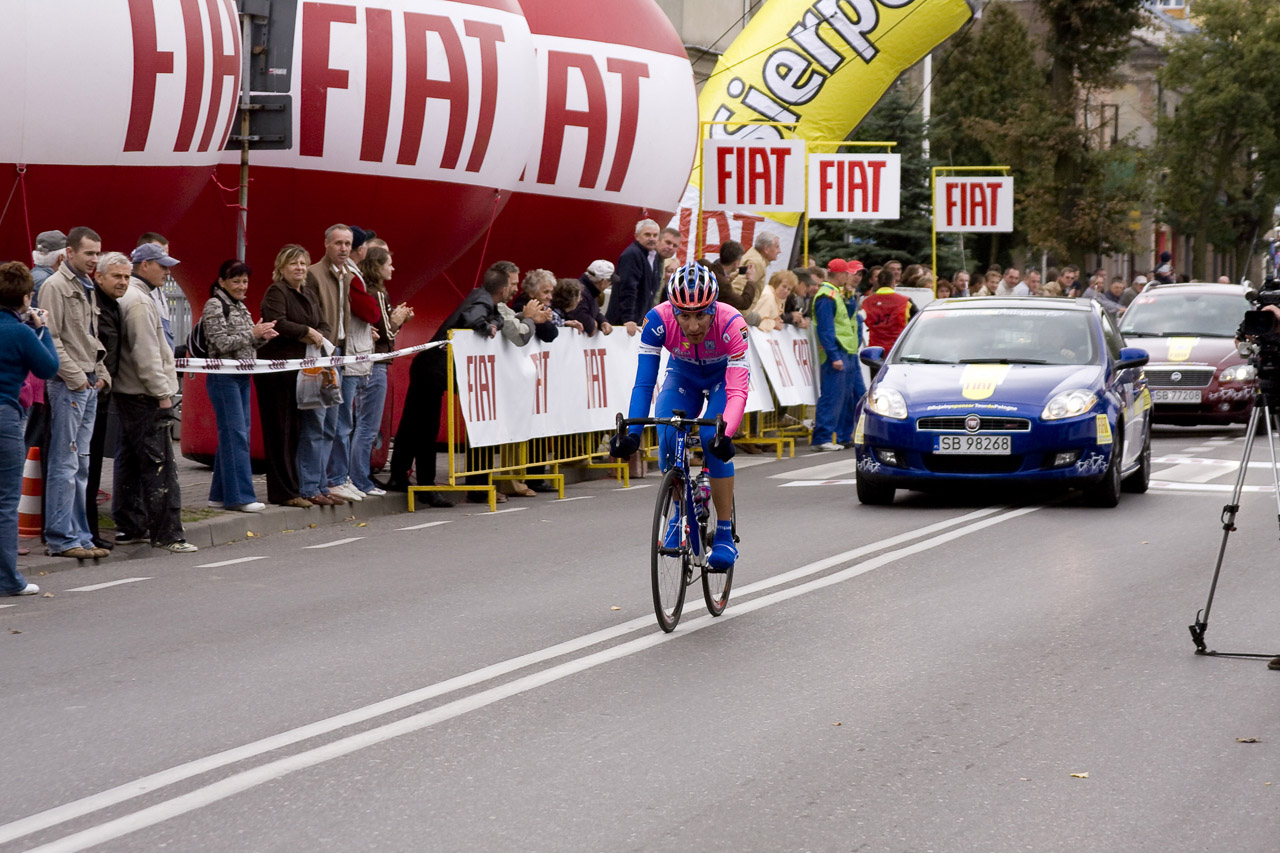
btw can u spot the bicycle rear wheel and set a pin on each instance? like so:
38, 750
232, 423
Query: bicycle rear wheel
716, 585
670, 554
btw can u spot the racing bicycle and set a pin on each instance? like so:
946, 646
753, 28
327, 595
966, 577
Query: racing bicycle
684, 526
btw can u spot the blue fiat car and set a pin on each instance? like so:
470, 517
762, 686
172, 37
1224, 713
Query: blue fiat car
996, 389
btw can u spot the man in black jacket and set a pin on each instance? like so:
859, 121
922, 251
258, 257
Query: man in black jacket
636, 279
597, 277
110, 281
428, 382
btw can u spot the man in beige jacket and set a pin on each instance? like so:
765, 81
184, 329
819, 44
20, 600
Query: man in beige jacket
146, 502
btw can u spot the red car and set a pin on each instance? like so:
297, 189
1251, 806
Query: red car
1196, 376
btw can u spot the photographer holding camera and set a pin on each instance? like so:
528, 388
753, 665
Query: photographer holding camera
25, 347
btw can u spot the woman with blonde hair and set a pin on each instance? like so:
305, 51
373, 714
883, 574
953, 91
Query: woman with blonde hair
768, 307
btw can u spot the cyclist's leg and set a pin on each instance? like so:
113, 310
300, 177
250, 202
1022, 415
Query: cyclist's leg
678, 392
724, 553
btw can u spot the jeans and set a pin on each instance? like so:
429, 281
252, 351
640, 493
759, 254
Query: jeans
72, 413
13, 455
368, 416
833, 401
146, 500
232, 482
313, 450
339, 467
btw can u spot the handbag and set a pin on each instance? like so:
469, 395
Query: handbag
318, 387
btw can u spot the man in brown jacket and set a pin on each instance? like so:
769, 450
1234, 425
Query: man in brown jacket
329, 281
146, 502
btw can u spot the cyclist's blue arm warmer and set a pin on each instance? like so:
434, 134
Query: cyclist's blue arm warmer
642, 393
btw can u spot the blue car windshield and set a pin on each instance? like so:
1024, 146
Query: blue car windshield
999, 336
1174, 313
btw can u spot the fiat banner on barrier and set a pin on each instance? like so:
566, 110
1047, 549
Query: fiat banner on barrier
572, 385
787, 357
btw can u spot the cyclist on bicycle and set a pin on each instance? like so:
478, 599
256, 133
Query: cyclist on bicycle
708, 345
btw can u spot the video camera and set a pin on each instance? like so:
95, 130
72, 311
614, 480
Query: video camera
1259, 340
1258, 322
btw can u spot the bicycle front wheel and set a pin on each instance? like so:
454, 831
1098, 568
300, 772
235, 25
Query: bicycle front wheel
716, 585
670, 555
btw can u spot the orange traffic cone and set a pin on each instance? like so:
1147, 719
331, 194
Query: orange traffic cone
30, 505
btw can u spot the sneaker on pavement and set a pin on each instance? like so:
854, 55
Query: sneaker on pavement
345, 492
99, 542
375, 492
252, 506
353, 487
182, 546
826, 447
76, 552
29, 589
216, 504
127, 539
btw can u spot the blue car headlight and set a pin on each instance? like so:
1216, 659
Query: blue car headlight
888, 403
1069, 404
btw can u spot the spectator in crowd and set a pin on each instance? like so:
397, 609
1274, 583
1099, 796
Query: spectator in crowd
668, 245
943, 289
46, 257
158, 294
26, 346
588, 312
1069, 278
1224, 279
70, 300
110, 283
1029, 286
1139, 282
731, 276
1009, 283
1111, 297
565, 299
420, 420
1052, 289
838, 345
799, 302
990, 284
1164, 270
146, 501
517, 328
757, 260
537, 287
329, 281
299, 322
375, 270
917, 275
230, 333
960, 283
363, 315
769, 306
1095, 287
886, 312
869, 281
635, 279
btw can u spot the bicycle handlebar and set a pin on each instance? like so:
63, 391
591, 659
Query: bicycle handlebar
677, 420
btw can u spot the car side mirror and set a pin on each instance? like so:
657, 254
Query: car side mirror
872, 357
1132, 357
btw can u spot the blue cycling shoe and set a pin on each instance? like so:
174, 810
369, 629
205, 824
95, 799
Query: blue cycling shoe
671, 540
723, 552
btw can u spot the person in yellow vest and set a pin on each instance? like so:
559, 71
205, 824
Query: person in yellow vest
838, 344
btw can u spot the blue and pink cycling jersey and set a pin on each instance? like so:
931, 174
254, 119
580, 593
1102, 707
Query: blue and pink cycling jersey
716, 369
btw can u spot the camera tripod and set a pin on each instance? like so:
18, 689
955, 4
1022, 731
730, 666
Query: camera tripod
1261, 411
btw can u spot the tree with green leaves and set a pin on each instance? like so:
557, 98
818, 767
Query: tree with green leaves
1219, 152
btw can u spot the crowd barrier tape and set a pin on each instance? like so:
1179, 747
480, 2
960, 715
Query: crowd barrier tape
252, 365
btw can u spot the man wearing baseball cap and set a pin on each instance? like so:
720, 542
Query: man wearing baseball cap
838, 343
46, 258
146, 502
597, 277
1133, 290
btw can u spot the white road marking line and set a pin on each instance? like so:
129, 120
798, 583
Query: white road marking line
739, 462
3, 606
1196, 449
229, 562
336, 542
817, 483
577, 498
1196, 473
825, 471
498, 512
122, 793
248, 779
633, 487
1233, 464
424, 526
1208, 488
92, 587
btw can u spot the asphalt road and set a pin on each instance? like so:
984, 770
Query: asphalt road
976, 672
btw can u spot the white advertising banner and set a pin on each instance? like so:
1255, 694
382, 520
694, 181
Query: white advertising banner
574, 384
786, 355
973, 205
753, 175
854, 186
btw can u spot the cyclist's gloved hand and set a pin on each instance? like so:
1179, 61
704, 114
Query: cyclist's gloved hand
624, 446
721, 447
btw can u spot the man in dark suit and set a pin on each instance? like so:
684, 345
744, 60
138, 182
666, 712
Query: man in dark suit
635, 279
